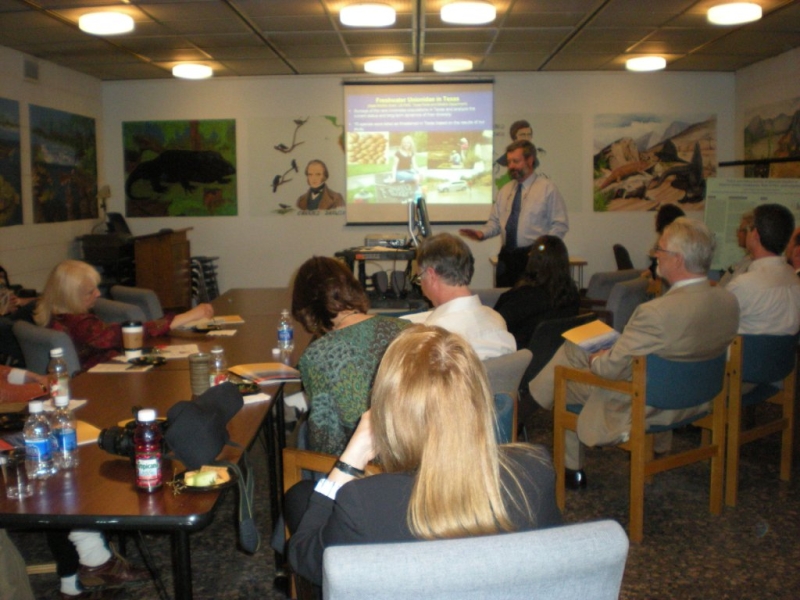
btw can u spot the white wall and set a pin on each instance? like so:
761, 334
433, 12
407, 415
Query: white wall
265, 250
28, 251
258, 251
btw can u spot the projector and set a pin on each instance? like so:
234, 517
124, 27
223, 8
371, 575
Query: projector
385, 240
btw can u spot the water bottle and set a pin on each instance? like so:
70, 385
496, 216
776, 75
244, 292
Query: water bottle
64, 428
147, 449
58, 375
218, 370
38, 443
285, 332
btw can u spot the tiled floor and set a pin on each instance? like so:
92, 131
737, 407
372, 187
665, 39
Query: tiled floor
751, 551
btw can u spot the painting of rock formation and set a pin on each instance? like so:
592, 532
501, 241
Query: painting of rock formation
642, 161
773, 131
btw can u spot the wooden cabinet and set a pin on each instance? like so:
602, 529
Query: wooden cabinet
163, 265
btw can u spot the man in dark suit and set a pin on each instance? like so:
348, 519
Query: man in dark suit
692, 321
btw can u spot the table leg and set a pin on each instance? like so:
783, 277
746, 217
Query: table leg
182, 565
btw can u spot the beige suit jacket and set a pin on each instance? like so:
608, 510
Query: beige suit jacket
693, 322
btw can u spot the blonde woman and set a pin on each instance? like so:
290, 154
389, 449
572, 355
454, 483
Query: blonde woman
66, 305
405, 169
431, 425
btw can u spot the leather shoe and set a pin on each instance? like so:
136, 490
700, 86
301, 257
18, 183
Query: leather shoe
115, 571
574, 480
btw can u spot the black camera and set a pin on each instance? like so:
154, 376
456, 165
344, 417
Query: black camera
119, 440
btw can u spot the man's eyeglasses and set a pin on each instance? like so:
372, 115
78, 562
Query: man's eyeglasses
665, 251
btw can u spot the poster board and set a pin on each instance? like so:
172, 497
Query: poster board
728, 199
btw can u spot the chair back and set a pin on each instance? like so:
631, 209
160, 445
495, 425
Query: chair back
673, 384
504, 418
768, 358
624, 298
601, 283
505, 372
622, 257
546, 340
583, 561
36, 343
112, 311
145, 299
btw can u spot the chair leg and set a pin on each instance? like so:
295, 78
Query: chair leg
559, 408
732, 453
637, 480
787, 436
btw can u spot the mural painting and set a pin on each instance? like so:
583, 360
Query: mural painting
642, 161
773, 131
64, 165
10, 164
180, 168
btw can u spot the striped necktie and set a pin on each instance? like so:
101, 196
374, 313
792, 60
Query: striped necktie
513, 220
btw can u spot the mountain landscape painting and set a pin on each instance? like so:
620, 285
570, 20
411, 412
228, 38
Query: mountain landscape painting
644, 160
773, 131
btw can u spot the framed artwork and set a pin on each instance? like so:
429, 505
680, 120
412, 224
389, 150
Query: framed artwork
63, 165
10, 164
180, 168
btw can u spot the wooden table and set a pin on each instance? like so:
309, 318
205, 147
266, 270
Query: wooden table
101, 494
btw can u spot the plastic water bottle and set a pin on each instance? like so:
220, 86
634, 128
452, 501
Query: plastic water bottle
38, 443
58, 375
285, 332
218, 370
64, 428
147, 448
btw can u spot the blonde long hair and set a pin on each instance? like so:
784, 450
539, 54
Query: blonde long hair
65, 289
433, 414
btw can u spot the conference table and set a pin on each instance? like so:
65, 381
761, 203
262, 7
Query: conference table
100, 493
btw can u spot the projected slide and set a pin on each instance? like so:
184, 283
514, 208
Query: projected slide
407, 140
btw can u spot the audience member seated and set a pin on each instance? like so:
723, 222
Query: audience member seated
80, 555
545, 291
66, 305
445, 266
769, 292
745, 225
692, 321
793, 251
666, 214
431, 425
19, 385
338, 367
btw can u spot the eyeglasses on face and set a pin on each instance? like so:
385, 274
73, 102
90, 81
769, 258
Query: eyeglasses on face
665, 251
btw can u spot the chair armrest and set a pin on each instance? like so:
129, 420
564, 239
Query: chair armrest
589, 378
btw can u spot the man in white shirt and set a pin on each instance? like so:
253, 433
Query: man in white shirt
445, 268
769, 292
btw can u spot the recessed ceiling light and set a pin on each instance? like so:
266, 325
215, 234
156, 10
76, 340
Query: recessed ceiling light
105, 23
734, 13
452, 65
192, 71
368, 14
468, 12
646, 63
384, 66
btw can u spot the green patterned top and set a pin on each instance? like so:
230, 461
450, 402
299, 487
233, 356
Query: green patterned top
337, 371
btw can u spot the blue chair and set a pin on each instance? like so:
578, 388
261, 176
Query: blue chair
662, 384
768, 364
505, 373
113, 311
36, 343
145, 299
504, 425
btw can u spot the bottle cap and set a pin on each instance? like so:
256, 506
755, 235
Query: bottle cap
146, 415
62, 401
217, 350
276, 351
35, 406
55, 352
285, 312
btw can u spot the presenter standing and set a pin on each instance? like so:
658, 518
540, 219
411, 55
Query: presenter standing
527, 207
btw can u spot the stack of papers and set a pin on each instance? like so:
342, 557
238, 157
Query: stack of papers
592, 337
266, 373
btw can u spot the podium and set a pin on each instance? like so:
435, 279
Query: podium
163, 265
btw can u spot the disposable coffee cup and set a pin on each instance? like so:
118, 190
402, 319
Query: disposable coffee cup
132, 339
199, 371
15, 474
